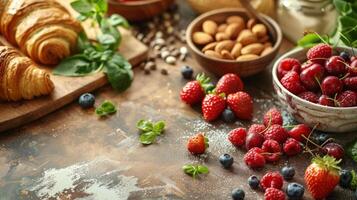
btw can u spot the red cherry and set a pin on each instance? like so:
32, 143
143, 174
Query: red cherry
352, 68
325, 101
331, 85
312, 76
335, 66
333, 149
254, 140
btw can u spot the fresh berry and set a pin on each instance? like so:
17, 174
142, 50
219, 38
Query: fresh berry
272, 150
345, 56
242, 105
272, 180
228, 116
254, 158
197, 144
237, 136
194, 91
213, 106
309, 96
274, 194
288, 172
291, 81
256, 128
325, 100
273, 116
347, 98
86, 100
331, 85
350, 83
312, 76
300, 132
276, 132
253, 182
288, 64
352, 69
186, 72
306, 65
295, 191
292, 147
345, 178
226, 160
254, 140
319, 53
321, 138
229, 84
335, 66
333, 149
322, 176
238, 194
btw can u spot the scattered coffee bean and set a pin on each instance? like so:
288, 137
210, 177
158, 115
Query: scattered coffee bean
164, 72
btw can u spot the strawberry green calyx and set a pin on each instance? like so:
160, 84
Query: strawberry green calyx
205, 82
206, 142
327, 162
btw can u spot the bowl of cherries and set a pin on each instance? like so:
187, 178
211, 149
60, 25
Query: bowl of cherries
319, 86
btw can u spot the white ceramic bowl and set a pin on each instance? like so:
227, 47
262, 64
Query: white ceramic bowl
329, 119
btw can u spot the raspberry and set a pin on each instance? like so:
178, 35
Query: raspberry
288, 64
276, 132
274, 194
237, 136
306, 65
256, 128
291, 81
254, 158
298, 131
273, 116
292, 147
347, 98
309, 96
352, 69
319, 53
351, 82
312, 76
272, 180
273, 150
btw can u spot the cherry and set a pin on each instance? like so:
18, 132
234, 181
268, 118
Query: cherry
351, 82
254, 140
312, 76
325, 101
347, 98
306, 64
333, 149
331, 85
335, 66
352, 68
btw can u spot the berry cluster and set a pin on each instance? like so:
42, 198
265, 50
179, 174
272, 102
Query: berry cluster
325, 79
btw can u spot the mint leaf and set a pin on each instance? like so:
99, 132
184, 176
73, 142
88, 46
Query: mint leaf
101, 6
352, 150
195, 170
117, 20
159, 127
148, 137
82, 6
144, 125
202, 169
149, 130
106, 39
106, 108
73, 66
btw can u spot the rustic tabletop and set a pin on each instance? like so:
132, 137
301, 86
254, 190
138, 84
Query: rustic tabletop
72, 154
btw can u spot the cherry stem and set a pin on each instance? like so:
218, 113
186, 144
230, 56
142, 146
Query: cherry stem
327, 141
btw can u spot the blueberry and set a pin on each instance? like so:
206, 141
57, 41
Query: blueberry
321, 138
295, 191
253, 182
228, 116
345, 56
288, 172
186, 72
238, 194
86, 100
345, 178
226, 160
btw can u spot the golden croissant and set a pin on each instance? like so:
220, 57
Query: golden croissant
43, 29
20, 78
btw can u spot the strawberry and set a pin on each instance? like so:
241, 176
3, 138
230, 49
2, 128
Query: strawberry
194, 91
273, 116
322, 176
197, 144
212, 106
229, 84
319, 53
241, 104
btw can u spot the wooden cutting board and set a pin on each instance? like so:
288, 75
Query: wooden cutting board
67, 89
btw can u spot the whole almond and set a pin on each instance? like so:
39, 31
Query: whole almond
247, 57
255, 48
263, 39
246, 37
268, 44
259, 30
209, 27
224, 45
226, 55
251, 23
234, 29
211, 53
222, 27
221, 36
266, 51
235, 19
209, 46
202, 38
236, 50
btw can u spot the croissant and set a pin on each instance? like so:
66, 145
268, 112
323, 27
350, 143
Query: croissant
20, 78
43, 29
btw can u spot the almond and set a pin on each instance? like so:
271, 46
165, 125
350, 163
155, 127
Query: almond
209, 27
251, 23
236, 50
202, 38
255, 48
214, 54
247, 57
221, 36
234, 29
235, 19
222, 27
259, 30
266, 51
268, 44
226, 55
224, 45
209, 46
246, 37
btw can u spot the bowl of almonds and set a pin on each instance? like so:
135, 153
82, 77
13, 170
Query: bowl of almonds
228, 41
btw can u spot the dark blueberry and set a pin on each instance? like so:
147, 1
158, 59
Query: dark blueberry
345, 56
295, 191
238, 194
345, 178
226, 160
253, 182
228, 116
288, 172
86, 100
321, 138
186, 72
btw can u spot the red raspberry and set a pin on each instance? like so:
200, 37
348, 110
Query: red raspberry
274, 194
309, 96
273, 116
241, 104
319, 53
335, 66
347, 98
256, 128
291, 81
237, 136
276, 132
312, 76
272, 180
331, 85
350, 83
229, 84
292, 147
273, 150
326, 100
288, 64
298, 131
254, 158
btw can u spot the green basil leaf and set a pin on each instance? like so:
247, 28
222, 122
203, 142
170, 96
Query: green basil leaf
353, 184
119, 73
106, 39
82, 6
352, 150
144, 125
159, 127
188, 169
105, 109
73, 66
83, 42
202, 169
118, 20
101, 6
148, 138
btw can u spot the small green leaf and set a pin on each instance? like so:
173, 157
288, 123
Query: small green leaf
82, 6
106, 39
119, 73
159, 127
101, 6
117, 20
144, 125
352, 150
195, 170
83, 42
202, 169
148, 137
73, 66
106, 108
353, 183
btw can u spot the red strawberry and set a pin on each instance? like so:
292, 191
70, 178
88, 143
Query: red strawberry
276, 132
309, 96
272, 150
237, 136
254, 158
286, 65
292, 147
256, 128
319, 53
194, 91
322, 176
291, 81
229, 84
273, 116
299, 131
212, 106
197, 144
272, 180
274, 194
241, 104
